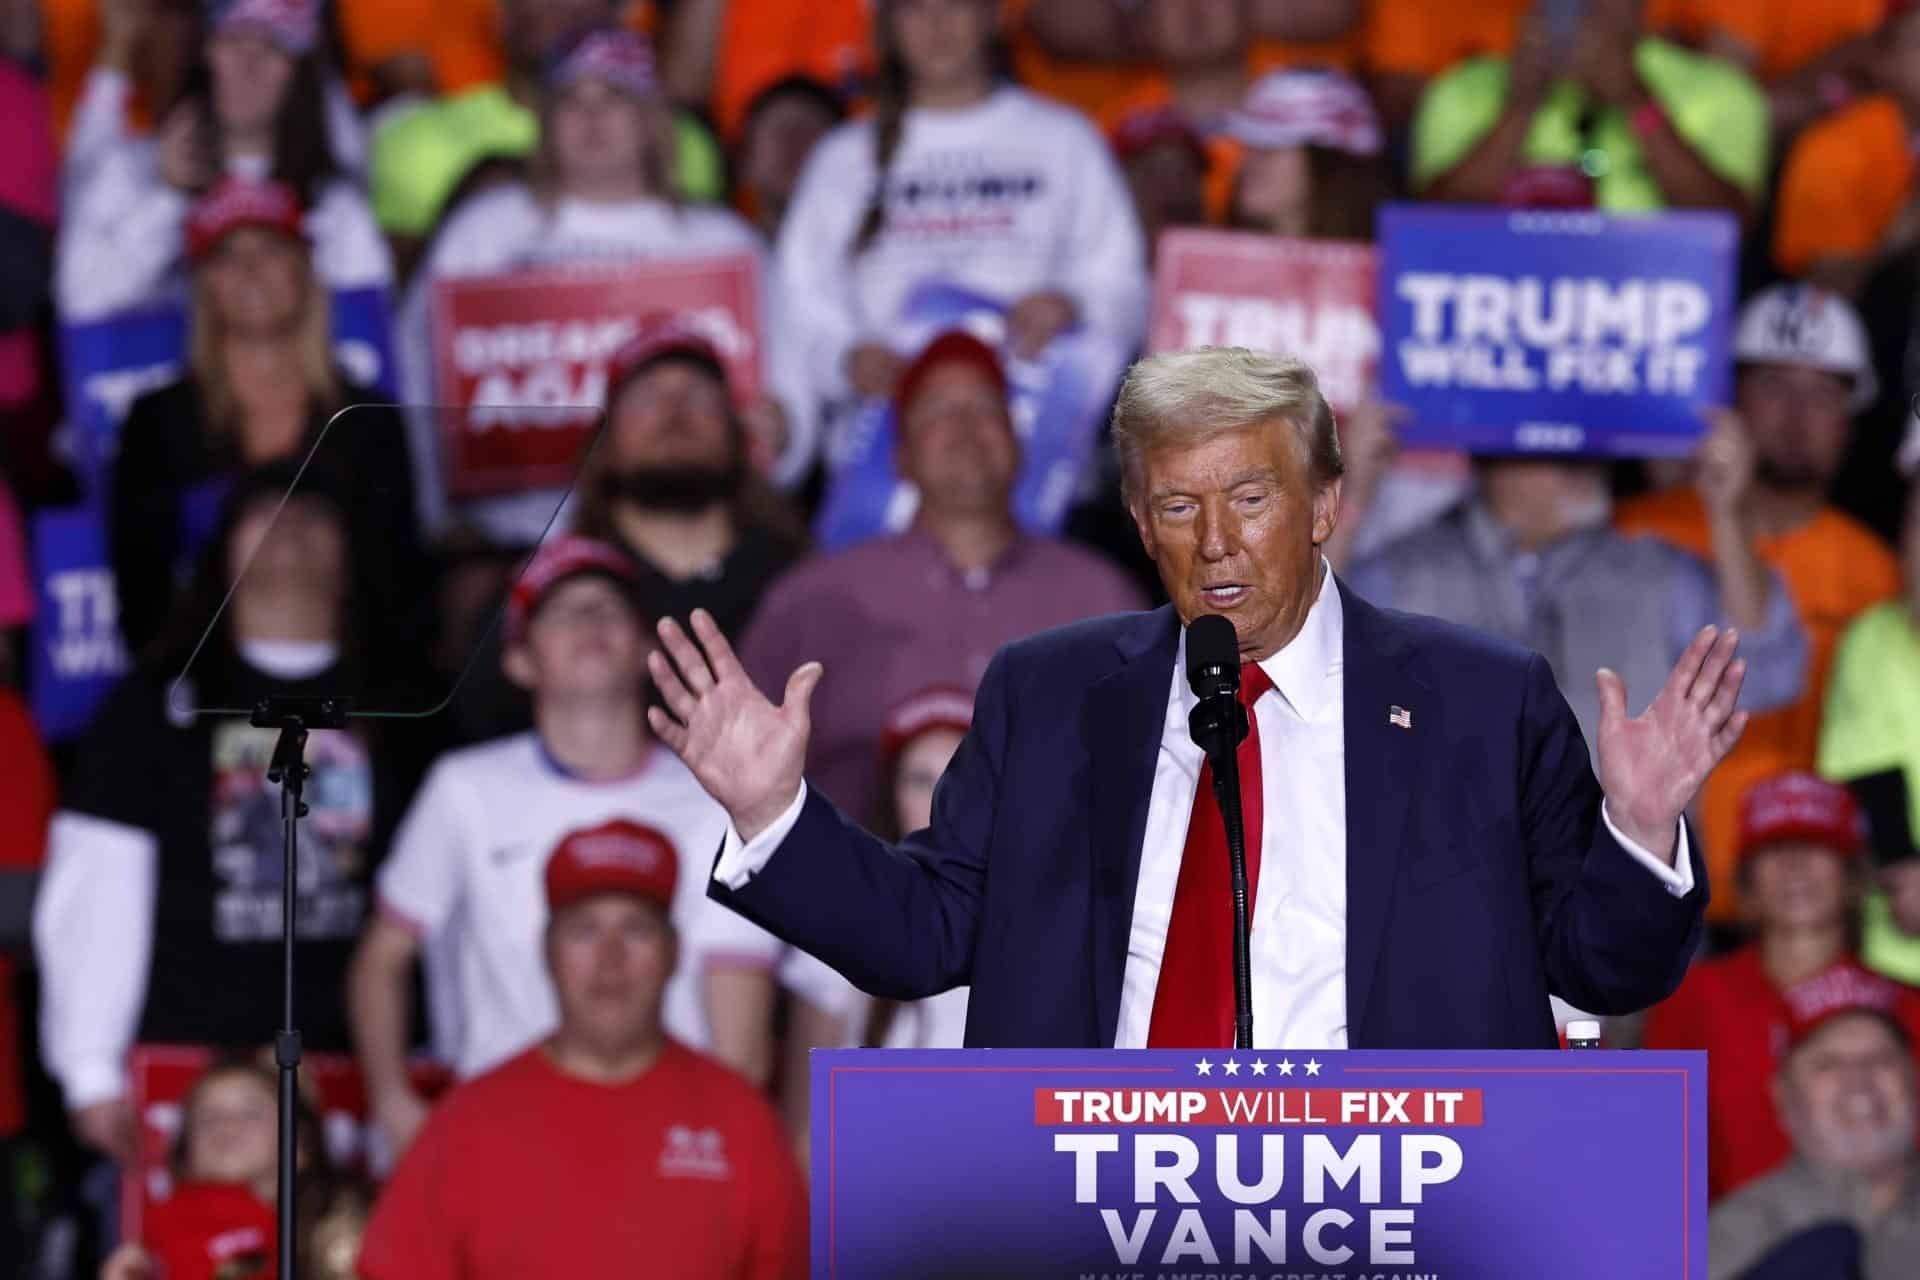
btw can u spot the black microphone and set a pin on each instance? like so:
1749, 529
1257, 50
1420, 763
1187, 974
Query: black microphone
1218, 724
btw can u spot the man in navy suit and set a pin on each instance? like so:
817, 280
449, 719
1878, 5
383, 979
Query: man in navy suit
1429, 853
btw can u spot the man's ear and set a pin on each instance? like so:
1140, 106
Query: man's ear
518, 664
1326, 510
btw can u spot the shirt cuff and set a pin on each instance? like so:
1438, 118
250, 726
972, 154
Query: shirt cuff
741, 860
1676, 879
85, 1083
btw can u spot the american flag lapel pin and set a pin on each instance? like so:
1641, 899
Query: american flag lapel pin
1400, 717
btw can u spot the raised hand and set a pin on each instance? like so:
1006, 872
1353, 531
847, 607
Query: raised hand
747, 753
1652, 765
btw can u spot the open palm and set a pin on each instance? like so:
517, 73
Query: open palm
1653, 764
748, 753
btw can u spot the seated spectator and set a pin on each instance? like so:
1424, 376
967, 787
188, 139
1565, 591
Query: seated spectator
1812, 58
674, 482
1799, 875
1310, 163
1165, 163
512, 1175
1848, 1201
1803, 370
256, 110
933, 604
1531, 555
956, 180
421, 154
219, 1218
460, 887
261, 386
1845, 186
159, 917
1636, 121
919, 739
603, 191
783, 123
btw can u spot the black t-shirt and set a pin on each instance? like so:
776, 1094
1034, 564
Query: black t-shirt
731, 592
198, 785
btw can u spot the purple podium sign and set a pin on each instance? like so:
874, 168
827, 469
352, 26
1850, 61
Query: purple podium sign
1154, 1165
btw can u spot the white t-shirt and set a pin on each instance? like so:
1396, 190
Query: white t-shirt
467, 870
1008, 197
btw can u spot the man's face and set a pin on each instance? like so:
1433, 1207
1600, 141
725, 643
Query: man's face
584, 640
1799, 885
676, 414
1235, 524
1801, 423
1197, 32
956, 442
1846, 1096
610, 956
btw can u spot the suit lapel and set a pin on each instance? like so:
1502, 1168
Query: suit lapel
1126, 711
1383, 762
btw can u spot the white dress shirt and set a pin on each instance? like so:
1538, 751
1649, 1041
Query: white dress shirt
1299, 934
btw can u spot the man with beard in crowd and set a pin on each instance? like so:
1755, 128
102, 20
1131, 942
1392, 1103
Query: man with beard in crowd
672, 481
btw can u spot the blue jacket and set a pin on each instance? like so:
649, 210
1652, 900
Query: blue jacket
1480, 877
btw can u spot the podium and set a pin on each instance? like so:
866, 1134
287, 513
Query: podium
1230, 1165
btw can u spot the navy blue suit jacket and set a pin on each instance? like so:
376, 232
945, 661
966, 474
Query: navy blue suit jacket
1480, 876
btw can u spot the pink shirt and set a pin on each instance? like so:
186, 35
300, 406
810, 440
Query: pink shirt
890, 617
16, 586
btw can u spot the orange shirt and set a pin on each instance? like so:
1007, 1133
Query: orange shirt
1834, 568
1782, 35
1422, 38
765, 41
1844, 183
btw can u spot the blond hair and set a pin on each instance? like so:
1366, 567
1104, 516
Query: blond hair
206, 342
1190, 396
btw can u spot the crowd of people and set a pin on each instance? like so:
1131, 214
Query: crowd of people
514, 885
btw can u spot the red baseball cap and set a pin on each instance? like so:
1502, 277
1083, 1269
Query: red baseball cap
1800, 806
234, 203
555, 562
614, 857
661, 335
953, 346
1844, 988
1148, 127
939, 706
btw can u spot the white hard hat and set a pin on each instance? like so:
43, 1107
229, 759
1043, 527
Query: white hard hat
1799, 324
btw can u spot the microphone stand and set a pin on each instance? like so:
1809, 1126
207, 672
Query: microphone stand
292, 717
1219, 723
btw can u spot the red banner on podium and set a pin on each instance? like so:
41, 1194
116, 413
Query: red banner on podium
524, 355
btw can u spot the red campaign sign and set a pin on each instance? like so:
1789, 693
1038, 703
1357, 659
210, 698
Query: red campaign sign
515, 352
162, 1074
1309, 298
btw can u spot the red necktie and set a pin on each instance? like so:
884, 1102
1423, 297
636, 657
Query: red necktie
1193, 1000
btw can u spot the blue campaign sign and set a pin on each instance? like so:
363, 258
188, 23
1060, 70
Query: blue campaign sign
75, 654
1244, 1166
1509, 331
1057, 400
108, 364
